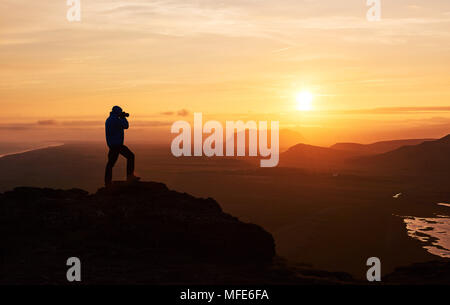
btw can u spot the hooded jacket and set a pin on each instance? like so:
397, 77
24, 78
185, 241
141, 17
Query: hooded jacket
114, 127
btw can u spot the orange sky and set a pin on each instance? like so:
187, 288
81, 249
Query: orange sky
228, 59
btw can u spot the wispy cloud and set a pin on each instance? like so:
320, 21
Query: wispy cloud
393, 110
182, 112
201, 54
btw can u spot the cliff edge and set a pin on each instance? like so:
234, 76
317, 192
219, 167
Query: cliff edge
134, 233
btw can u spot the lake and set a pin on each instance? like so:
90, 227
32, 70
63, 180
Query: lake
434, 232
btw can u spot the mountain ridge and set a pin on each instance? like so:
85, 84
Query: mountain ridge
379, 146
424, 159
427, 155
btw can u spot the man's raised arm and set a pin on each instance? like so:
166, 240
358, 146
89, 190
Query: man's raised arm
125, 124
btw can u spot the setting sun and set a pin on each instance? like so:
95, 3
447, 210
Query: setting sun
304, 101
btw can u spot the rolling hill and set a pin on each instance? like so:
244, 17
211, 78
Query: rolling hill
427, 158
315, 157
378, 147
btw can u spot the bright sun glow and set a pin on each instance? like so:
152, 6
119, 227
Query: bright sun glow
304, 101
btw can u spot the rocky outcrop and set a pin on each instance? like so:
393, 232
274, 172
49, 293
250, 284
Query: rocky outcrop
140, 232
428, 273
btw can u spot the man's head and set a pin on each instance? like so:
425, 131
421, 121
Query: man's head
117, 110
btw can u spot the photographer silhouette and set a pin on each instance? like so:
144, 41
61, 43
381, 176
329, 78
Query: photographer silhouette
114, 127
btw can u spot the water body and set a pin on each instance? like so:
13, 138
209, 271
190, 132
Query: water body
19, 148
434, 232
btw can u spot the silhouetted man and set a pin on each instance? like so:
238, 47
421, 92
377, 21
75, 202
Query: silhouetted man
114, 127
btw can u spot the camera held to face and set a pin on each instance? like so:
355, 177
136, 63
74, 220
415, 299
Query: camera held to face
124, 115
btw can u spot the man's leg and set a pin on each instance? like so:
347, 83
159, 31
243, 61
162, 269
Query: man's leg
112, 158
128, 154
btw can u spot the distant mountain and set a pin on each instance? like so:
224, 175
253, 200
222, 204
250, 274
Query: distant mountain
315, 157
287, 138
377, 147
429, 157
363, 157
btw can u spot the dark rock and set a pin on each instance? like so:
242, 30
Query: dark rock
125, 233
429, 273
138, 232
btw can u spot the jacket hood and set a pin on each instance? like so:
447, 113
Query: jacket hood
116, 110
